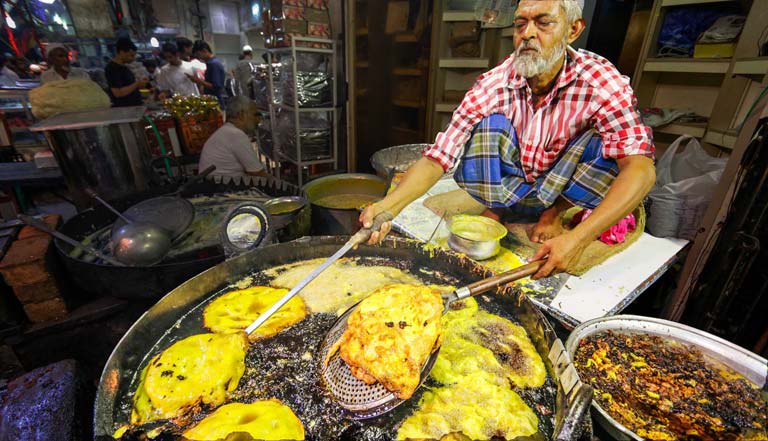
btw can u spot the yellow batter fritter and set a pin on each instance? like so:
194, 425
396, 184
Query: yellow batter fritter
477, 341
391, 334
200, 369
262, 420
339, 287
473, 408
235, 310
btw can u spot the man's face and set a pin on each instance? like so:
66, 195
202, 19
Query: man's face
129, 57
186, 52
203, 55
171, 58
541, 36
59, 58
250, 119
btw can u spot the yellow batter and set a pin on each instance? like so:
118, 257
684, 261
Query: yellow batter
262, 420
341, 286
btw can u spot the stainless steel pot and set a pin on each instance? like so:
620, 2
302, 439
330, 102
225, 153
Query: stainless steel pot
750, 365
336, 221
104, 150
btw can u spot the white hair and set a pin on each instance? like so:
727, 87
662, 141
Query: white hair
239, 105
573, 9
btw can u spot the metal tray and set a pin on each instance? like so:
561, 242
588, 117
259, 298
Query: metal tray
746, 363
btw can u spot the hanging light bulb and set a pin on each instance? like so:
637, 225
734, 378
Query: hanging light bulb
47, 2
9, 21
154, 42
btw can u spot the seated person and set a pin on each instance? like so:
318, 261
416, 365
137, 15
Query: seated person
229, 148
59, 67
549, 128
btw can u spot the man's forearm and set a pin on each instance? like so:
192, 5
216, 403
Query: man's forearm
120, 92
636, 177
419, 178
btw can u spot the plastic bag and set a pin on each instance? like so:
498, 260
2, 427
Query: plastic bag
684, 186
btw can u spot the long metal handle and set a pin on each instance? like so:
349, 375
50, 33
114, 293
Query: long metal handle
42, 226
490, 283
94, 195
195, 179
359, 237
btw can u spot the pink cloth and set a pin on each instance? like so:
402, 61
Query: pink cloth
616, 234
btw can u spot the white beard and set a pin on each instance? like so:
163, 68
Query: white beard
529, 66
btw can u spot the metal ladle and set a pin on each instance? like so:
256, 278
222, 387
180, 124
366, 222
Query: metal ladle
137, 243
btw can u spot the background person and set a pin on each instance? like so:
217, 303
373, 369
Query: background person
123, 85
59, 66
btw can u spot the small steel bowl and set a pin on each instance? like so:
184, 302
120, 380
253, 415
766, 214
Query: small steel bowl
478, 237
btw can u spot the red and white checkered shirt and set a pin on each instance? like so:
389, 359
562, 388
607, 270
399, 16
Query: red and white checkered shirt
589, 93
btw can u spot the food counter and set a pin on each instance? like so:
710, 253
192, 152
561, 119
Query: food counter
604, 290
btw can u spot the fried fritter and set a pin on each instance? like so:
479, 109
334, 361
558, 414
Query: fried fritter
235, 310
391, 334
200, 369
262, 420
477, 341
473, 408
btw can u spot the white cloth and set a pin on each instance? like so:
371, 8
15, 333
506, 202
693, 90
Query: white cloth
200, 67
75, 73
8, 78
229, 149
174, 78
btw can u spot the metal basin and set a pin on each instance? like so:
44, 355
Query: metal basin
337, 218
751, 366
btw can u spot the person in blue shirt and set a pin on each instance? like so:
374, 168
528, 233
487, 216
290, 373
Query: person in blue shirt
215, 74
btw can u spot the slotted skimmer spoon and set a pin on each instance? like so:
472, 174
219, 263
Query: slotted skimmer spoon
371, 400
358, 238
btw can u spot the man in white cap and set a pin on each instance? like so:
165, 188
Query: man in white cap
243, 73
549, 128
60, 68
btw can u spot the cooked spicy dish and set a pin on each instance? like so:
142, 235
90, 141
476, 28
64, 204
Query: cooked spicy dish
662, 390
390, 335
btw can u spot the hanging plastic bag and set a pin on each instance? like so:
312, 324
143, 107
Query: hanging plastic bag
684, 186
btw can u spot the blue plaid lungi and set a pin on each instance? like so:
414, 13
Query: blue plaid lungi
491, 171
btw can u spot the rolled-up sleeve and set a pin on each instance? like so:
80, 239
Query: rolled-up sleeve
621, 128
476, 105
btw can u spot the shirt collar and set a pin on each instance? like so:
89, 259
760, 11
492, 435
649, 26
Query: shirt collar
567, 74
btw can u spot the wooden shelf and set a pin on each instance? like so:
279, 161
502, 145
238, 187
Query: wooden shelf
407, 103
408, 71
726, 139
459, 16
695, 130
446, 107
751, 66
361, 32
362, 65
409, 37
464, 63
665, 3
687, 65
508, 32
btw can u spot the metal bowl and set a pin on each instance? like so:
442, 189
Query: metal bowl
399, 158
478, 237
284, 209
751, 366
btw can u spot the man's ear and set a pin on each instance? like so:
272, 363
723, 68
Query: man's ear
575, 30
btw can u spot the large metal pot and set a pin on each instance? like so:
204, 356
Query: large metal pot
104, 150
334, 221
150, 334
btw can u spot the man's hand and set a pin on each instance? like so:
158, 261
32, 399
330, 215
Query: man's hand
563, 251
143, 83
366, 218
195, 79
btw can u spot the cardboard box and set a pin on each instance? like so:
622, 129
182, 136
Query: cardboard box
714, 50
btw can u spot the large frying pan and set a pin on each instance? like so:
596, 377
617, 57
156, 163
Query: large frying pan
113, 398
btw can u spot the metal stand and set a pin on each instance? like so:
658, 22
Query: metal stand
299, 161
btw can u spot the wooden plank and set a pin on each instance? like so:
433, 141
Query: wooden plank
406, 103
751, 66
408, 71
725, 139
459, 16
464, 63
508, 32
446, 107
695, 130
686, 65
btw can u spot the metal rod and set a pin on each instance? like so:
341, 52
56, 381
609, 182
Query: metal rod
42, 226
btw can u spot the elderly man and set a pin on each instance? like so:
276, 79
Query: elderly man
229, 148
549, 128
60, 70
